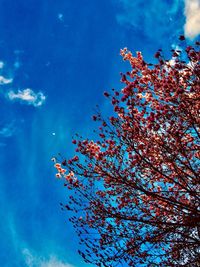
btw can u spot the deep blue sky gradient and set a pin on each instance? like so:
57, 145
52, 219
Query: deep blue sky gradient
69, 51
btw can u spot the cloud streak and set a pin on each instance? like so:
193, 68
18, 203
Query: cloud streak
27, 96
36, 261
192, 14
8, 130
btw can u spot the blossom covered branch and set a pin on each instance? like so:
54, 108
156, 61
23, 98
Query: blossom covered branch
137, 186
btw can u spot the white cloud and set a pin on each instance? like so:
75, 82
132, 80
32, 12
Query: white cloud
28, 96
36, 261
4, 80
192, 13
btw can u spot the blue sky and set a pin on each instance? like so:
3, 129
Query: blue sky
56, 60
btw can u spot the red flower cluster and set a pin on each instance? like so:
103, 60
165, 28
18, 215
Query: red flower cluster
140, 179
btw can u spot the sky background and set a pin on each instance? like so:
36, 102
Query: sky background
56, 60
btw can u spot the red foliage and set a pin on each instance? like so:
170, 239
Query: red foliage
137, 187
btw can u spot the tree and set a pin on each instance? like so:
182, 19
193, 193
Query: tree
136, 197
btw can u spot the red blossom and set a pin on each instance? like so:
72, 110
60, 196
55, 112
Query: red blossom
106, 94
182, 37
137, 186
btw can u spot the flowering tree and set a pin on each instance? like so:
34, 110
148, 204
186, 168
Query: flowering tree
136, 197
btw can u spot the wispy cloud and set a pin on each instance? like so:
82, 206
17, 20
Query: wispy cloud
8, 130
192, 13
28, 96
1, 64
154, 18
4, 80
60, 17
32, 260
54, 262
